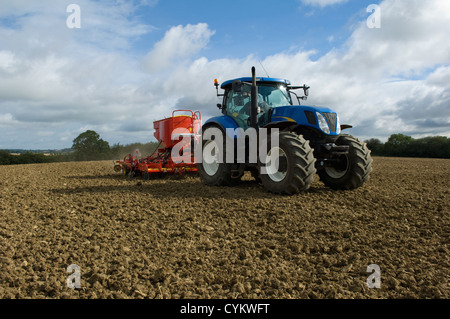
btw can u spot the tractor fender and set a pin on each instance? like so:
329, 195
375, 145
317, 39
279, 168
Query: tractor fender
282, 126
224, 122
293, 127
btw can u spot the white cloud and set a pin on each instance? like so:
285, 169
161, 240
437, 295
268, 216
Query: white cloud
19, 7
372, 81
410, 40
52, 79
7, 61
322, 3
178, 43
6, 119
51, 75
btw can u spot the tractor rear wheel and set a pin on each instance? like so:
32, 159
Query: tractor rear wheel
213, 170
348, 171
296, 165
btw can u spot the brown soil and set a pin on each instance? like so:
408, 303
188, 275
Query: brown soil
176, 238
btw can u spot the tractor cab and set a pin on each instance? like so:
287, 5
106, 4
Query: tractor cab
272, 93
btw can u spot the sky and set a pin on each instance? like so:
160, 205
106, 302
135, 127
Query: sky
129, 63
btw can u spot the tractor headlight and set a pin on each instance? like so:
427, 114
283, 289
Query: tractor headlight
323, 123
338, 125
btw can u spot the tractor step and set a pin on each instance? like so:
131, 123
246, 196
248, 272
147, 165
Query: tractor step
336, 149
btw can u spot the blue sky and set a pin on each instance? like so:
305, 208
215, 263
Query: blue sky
260, 27
133, 62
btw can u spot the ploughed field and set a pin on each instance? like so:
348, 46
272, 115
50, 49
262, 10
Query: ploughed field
176, 238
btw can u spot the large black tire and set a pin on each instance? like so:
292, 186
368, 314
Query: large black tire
214, 174
296, 167
352, 170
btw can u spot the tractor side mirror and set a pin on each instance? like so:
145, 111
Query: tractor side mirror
306, 90
237, 86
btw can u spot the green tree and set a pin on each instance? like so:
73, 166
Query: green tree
432, 146
375, 146
6, 158
398, 145
88, 146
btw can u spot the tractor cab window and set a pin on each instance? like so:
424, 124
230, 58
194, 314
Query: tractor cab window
238, 105
274, 96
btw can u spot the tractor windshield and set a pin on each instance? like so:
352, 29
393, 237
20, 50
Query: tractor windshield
270, 95
274, 95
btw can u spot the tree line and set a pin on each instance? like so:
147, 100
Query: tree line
88, 146
400, 145
6, 158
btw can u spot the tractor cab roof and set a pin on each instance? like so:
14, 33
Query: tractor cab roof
258, 81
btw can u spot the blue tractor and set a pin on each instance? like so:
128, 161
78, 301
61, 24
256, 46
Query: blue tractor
309, 140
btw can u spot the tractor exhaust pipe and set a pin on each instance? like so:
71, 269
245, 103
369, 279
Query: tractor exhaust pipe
254, 102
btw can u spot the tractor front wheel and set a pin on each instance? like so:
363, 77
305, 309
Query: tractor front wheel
348, 171
289, 167
213, 170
